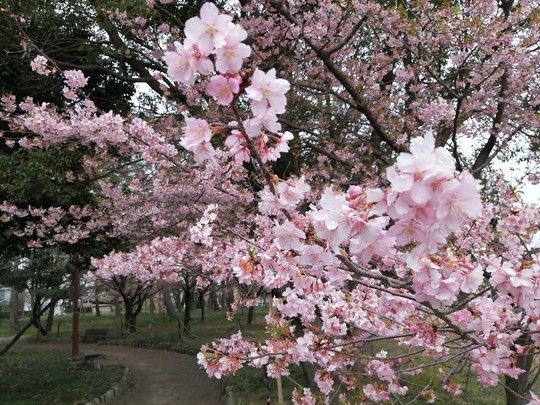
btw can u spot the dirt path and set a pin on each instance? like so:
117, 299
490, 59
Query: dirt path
160, 378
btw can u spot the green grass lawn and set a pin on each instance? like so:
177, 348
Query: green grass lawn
25, 372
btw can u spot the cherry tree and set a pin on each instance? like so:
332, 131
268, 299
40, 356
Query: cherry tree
139, 274
392, 259
343, 159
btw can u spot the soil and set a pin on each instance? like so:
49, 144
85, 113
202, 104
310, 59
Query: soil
159, 377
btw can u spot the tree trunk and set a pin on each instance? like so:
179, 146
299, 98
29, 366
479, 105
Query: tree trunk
517, 389
50, 317
170, 307
229, 298
16, 337
130, 317
14, 323
96, 303
117, 308
223, 297
39, 326
187, 306
250, 315
180, 299
37, 312
214, 300
200, 297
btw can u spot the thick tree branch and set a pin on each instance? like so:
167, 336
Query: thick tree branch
133, 62
359, 102
483, 156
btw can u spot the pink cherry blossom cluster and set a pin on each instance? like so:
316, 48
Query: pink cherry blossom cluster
49, 226
212, 34
426, 200
520, 281
160, 260
287, 196
39, 65
83, 123
439, 280
74, 80
490, 363
201, 232
360, 222
213, 41
218, 365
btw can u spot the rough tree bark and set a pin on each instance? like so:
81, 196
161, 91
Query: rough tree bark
517, 389
50, 317
202, 303
188, 300
250, 315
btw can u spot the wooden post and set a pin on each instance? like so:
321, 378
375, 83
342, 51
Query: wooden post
278, 378
75, 319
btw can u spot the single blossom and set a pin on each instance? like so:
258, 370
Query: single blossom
268, 120
230, 57
459, 200
238, 147
267, 91
39, 65
289, 236
196, 131
224, 88
180, 65
209, 30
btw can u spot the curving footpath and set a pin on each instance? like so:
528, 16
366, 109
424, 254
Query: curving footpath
161, 378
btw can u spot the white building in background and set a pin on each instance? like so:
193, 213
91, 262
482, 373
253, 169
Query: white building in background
24, 302
5, 295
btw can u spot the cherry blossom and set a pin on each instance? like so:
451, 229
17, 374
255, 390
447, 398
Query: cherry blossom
209, 30
289, 236
223, 88
266, 91
230, 57
186, 62
197, 139
180, 65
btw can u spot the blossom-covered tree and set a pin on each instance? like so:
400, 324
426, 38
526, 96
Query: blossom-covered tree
345, 160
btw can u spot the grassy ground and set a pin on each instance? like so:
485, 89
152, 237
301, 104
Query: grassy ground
24, 373
248, 385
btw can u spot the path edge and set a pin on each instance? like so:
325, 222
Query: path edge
111, 394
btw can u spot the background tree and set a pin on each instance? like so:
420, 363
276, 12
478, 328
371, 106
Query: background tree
44, 274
